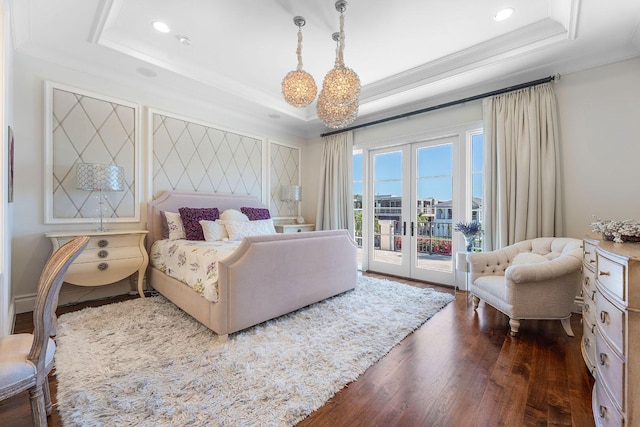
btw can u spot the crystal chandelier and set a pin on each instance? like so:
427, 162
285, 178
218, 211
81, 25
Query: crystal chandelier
298, 87
338, 100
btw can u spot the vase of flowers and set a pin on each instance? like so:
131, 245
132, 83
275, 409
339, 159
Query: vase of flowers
470, 230
619, 231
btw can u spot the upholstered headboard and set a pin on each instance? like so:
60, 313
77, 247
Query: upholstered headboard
171, 201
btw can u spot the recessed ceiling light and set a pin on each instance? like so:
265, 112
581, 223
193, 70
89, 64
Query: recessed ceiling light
503, 14
161, 26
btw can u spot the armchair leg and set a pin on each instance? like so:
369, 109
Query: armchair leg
476, 301
38, 406
515, 325
566, 324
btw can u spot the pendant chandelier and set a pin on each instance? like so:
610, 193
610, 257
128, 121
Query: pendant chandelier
298, 87
338, 100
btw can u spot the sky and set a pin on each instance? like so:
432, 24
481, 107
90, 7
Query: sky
435, 171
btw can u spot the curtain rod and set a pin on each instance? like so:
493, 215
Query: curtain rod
448, 104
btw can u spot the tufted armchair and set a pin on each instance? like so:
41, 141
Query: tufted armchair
532, 279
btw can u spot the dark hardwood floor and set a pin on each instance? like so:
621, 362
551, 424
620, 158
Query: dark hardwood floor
461, 368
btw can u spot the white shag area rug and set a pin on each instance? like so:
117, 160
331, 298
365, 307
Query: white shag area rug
144, 362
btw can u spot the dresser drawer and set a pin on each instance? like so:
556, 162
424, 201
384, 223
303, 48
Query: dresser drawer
589, 344
604, 411
610, 369
611, 322
589, 310
610, 274
589, 285
101, 272
589, 254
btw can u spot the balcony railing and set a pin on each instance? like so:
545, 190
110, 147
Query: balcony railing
433, 237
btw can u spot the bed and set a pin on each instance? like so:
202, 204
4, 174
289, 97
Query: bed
265, 277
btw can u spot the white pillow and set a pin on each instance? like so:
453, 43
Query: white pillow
175, 226
528, 258
239, 229
213, 230
233, 215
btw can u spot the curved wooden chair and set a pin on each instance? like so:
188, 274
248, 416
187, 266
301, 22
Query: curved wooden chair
27, 359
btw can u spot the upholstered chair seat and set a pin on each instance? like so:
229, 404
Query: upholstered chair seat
532, 279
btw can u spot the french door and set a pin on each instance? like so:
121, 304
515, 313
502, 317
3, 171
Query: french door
411, 217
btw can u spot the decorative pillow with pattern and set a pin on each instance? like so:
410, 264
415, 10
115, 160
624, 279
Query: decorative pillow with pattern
191, 218
239, 229
255, 214
214, 230
233, 215
174, 226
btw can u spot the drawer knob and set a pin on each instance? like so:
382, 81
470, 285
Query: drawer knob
586, 308
593, 295
593, 329
604, 316
587, 342
103, 253
586, 281
587, 252
103, 243
603, 273
603, 359
592, 261
103, 266
603, 411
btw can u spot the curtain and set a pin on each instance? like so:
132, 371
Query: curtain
335, 198
522, 196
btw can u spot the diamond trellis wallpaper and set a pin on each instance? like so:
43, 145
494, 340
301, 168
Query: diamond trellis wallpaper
89, 128
189, 156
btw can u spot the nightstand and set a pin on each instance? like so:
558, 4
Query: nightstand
294, 228
110, 256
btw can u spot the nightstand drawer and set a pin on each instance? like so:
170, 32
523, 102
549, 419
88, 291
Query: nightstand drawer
92, 273
108, 254
104, 242
294, 228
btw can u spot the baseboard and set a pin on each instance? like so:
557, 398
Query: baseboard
71, 294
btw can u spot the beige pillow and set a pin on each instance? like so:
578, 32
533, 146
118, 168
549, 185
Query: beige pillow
528, 258
233, 215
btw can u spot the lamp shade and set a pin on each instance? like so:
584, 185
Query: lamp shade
291, 193
96, 176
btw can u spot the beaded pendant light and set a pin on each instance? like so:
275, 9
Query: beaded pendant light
298, 87
338, 100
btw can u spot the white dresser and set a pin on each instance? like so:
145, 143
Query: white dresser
589, 304
616, 358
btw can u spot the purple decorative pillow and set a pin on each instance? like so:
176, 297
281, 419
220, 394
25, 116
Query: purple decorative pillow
255, 214
165, 226
191, 218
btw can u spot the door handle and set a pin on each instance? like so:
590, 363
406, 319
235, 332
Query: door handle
411, 228
404, 228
